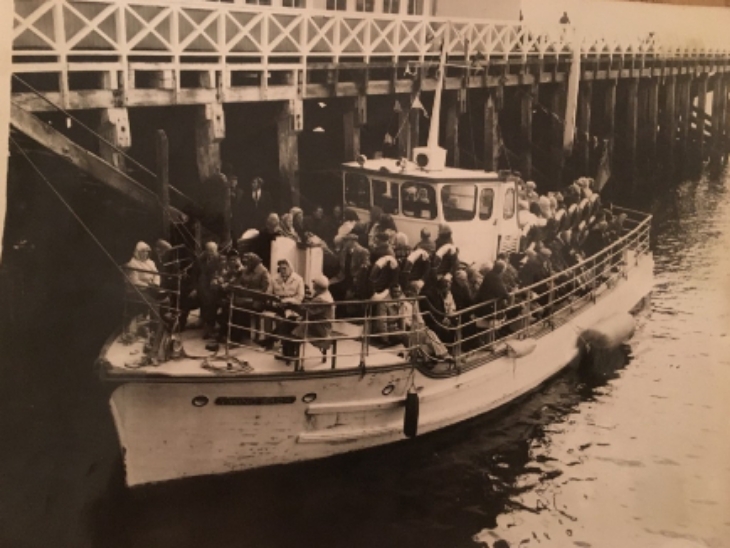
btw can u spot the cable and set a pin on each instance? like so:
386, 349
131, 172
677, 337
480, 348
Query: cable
83, 225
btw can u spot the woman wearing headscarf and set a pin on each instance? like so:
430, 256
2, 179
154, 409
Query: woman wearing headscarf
142, 272
320, 312
144, 285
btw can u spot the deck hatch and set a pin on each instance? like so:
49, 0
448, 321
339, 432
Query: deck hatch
255, 400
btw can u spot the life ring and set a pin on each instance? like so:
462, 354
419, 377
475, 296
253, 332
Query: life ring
573, 215
563, 220
446, 259
586, 208
417, 264
384, 273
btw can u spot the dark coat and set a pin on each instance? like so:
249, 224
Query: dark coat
253, 214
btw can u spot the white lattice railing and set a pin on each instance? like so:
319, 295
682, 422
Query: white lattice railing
157, 28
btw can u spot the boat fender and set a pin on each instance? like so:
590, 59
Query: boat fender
521, 348
610, 332
410, 419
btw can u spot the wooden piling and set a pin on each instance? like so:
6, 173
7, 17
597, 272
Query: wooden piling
115, 129
726, 117
526, 105
652, 120
717, 118
209, 132
288, 138
684, 89
451, 140
701, 114
163, 177
609, 113
491, 134
632, 118
404, 134
351, 129
414, 126
583, 140
669, 123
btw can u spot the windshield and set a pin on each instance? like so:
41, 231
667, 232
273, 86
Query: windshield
459, 202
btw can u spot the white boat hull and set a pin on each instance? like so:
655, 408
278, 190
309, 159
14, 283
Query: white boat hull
266, 422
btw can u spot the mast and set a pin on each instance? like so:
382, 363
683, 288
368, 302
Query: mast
433, 130
6, 70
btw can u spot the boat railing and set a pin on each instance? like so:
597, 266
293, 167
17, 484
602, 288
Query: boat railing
539, 308
300, 325
397, 330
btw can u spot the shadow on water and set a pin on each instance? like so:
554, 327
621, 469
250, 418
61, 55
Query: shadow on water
436, 490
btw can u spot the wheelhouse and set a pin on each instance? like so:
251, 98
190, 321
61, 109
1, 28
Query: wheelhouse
479, 207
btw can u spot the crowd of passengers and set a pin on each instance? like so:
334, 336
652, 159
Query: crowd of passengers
370, 261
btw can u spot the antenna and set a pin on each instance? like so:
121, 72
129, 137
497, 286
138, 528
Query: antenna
433, 130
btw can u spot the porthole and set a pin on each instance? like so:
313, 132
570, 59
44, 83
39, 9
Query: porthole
309, 398
200, 401
388, 390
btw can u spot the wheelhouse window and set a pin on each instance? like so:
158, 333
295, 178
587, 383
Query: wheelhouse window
509, 203
415, 7
357, 190
259, 2
486, 204
294, 3
419, 200
337, 5
365, 5
459, 202
391, 6
385, 195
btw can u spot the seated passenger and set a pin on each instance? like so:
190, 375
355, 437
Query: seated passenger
390, 318
144, 288
376, 212
441, 309
254, 277
142, 272
289, 288
531, 192
320, 314
226, 281
510, 276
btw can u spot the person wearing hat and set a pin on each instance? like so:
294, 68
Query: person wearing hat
531, 191
228, 278
352, 259
320, 312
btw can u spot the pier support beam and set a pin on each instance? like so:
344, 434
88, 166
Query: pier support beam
452, 129
353, 118
632, 119
414, 125
609, 113
726, 118
210, 130
718, 118
526, 100
491, 134
289, 126
701, 113
652, 120
684, 106
583, 139
114, 127
669, 123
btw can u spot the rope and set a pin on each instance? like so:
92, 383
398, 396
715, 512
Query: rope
83, 225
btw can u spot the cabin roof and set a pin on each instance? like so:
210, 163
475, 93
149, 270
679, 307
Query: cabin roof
388, 167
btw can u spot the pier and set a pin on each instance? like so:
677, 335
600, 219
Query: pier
656, 101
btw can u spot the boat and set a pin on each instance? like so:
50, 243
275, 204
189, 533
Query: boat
183, 407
